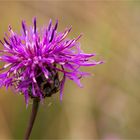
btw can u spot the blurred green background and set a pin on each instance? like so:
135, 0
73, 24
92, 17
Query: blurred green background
107, 107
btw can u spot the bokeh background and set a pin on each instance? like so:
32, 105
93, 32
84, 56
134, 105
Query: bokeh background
108, 107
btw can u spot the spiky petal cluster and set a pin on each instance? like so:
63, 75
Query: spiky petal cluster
33, 53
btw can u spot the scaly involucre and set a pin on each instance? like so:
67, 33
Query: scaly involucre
43, 53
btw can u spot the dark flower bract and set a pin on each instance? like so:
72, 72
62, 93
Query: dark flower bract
37, 62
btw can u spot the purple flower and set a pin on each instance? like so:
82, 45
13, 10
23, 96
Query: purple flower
37, 62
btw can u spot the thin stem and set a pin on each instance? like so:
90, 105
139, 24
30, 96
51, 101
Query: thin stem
32, 118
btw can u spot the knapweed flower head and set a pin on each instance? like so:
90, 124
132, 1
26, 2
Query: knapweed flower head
37, 62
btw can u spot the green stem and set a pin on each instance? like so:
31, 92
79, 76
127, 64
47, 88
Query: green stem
32, 118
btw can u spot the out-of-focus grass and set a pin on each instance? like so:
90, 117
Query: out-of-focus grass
108, 105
